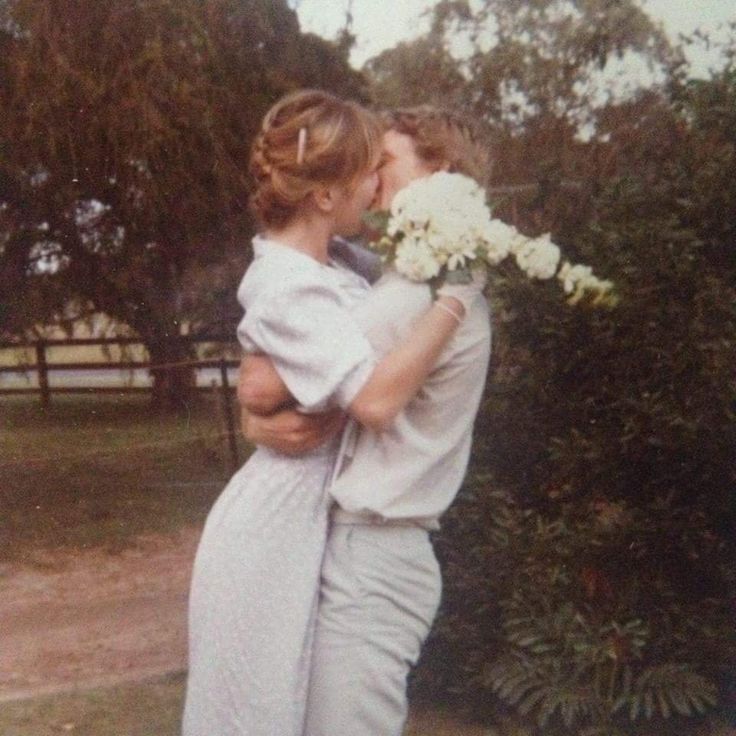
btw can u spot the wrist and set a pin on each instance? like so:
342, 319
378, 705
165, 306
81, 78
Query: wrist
451, 306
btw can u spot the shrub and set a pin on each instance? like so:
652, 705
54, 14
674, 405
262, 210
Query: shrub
589, 564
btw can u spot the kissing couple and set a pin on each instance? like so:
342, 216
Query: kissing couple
315, 583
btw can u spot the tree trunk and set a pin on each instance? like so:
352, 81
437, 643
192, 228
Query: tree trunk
174, 384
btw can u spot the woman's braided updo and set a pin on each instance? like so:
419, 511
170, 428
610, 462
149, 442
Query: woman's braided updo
309, 139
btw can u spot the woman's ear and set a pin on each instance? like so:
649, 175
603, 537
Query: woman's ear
325, 198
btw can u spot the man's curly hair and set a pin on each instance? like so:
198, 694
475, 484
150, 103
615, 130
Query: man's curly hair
442, 138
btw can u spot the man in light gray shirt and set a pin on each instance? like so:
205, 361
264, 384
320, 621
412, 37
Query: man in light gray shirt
381, 585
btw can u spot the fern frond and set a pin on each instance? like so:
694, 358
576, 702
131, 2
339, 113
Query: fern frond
669, 688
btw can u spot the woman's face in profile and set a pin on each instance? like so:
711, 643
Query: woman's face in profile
356, 202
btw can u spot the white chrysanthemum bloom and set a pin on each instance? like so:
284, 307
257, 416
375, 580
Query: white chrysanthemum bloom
538, 258
448, 211
442, 198
415, 260
452, 243
577, 280
441, 223
498, 238
438, 190
572, 276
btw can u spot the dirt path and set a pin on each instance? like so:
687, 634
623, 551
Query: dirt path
92, 618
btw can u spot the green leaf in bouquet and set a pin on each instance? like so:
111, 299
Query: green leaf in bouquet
377, 220
458, 276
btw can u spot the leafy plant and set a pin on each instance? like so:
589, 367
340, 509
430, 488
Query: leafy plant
575, 620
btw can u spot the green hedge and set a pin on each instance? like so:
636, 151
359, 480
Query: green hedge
589, 563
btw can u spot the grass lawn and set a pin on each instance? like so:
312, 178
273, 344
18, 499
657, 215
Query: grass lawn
153, 708
97, 470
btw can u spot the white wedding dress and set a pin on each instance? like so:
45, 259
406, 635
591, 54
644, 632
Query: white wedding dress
256, 574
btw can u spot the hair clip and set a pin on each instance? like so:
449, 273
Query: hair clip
301, 146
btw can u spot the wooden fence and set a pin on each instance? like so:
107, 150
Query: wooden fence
42, 367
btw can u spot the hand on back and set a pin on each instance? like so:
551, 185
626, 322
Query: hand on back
291, 432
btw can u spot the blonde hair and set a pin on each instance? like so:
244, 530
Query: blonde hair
442, 137
309, 139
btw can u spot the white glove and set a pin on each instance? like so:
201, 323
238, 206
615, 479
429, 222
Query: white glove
466, 294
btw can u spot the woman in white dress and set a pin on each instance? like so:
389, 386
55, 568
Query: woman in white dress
256, 574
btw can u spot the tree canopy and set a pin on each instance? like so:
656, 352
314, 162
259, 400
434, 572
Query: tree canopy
124, 148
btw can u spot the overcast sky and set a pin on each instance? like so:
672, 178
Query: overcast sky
379, 24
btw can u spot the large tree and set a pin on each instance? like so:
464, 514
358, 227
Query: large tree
535, 76
123, 156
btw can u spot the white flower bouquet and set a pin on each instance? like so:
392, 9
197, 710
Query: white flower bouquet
440, 227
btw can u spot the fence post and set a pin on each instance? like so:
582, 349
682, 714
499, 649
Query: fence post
43, 373
228, 411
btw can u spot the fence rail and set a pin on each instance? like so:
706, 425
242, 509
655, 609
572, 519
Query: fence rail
74, 341
42, 367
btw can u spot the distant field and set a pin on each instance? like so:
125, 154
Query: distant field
99, 378
99, 470
93, 353
74, 353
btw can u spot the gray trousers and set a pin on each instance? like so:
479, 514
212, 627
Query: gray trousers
380, 592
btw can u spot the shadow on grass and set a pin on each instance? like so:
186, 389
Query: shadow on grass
99, 470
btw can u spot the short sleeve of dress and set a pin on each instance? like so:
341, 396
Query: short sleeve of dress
316, 346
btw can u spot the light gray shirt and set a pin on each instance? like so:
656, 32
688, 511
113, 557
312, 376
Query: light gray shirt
414, 470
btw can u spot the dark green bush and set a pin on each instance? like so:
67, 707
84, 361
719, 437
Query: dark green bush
589, 564
594, 614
